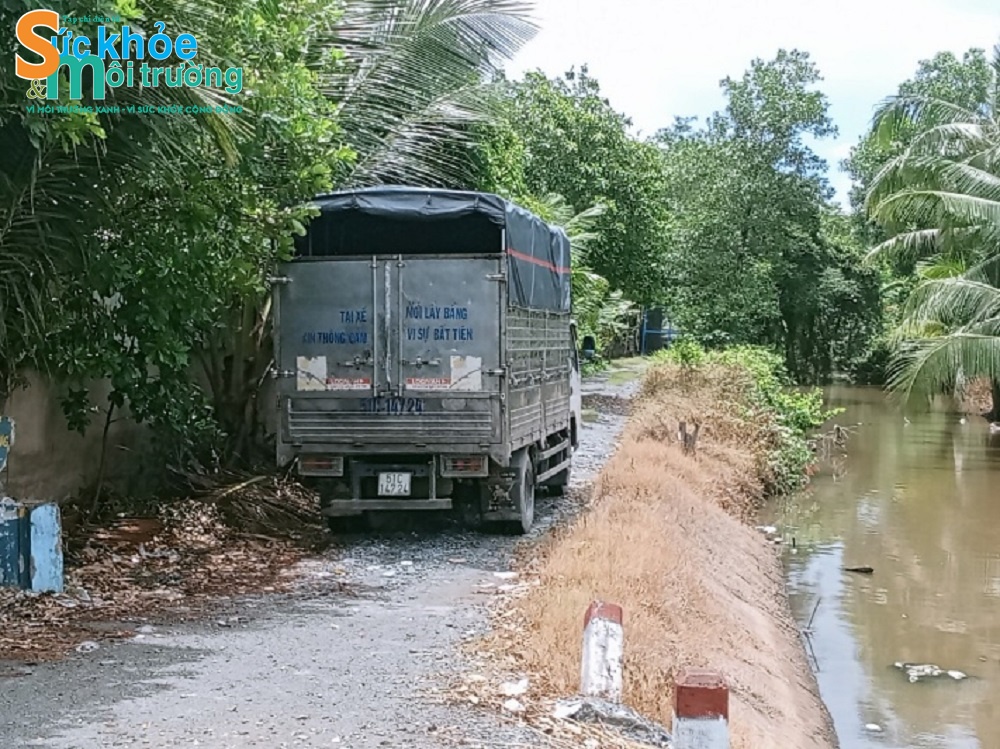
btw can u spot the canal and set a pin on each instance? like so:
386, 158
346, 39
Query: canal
917, 498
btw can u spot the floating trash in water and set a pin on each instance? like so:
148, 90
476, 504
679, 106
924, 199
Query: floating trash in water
873, 727
917, 671
860, 570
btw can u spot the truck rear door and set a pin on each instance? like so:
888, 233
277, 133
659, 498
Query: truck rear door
388, 352
449, 336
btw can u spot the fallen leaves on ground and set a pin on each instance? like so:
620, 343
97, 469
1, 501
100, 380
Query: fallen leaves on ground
227, 542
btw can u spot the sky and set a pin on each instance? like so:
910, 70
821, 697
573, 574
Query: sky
657, 59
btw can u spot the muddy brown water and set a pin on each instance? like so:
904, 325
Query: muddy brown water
916, 497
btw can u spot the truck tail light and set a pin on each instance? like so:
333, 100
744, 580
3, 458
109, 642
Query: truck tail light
321, 465
463, 465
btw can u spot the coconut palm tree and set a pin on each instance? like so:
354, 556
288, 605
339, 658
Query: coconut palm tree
940, 202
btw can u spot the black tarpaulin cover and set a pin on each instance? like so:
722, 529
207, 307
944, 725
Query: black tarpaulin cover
398, 219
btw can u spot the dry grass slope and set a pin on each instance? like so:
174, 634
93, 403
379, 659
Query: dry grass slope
666, 536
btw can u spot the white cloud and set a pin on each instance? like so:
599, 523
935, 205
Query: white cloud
656, 60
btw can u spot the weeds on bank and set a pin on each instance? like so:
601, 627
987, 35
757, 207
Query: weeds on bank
758, 399
665, 535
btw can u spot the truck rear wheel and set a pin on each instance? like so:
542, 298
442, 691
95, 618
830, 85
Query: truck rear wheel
523, 491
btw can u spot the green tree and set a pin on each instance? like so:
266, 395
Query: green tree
179, 246
415, 86
965, 83
600, 311
757, 255
62, 176
561, 136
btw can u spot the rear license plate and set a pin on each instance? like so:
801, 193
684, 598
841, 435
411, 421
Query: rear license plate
394, 484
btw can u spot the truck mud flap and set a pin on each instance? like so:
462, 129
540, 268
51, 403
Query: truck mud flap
499, 505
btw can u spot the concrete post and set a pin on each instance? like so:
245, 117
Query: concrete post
46, 549
603, 647
701, 710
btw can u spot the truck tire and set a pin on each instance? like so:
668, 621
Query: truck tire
523, 492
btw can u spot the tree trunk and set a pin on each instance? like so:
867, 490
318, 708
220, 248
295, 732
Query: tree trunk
103, 465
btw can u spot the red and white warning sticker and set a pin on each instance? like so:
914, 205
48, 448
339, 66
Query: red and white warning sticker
428, 383
343, 383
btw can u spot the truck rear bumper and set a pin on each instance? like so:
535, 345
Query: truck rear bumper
346, 507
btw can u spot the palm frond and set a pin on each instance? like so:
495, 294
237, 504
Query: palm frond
429, 146
908, 245
951, 138
407, 92
953, 301
925, 366
967, 178
942, 267
580, 226
921, 207
898, 112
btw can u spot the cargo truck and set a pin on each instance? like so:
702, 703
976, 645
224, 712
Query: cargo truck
425, 356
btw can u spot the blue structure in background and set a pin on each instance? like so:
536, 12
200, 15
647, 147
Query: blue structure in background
657, 332
31, 555
15, 544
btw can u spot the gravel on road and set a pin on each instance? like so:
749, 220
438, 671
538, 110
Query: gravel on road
353, 658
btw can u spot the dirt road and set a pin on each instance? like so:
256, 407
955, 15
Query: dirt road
352, 659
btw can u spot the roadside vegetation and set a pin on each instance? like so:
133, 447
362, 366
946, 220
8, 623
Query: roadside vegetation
667, 534
778, 420
927, 183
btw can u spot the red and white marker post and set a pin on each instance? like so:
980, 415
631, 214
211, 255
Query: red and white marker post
701, 710
603, 649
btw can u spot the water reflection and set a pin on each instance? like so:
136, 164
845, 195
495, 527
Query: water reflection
918, 499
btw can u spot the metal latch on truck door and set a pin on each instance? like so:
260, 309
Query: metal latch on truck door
276, 373
420, 361
278, 280
357, 361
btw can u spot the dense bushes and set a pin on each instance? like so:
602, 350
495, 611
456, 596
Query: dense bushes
751, 399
